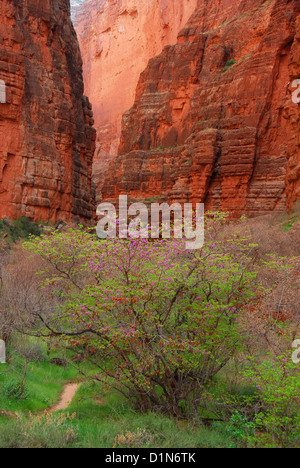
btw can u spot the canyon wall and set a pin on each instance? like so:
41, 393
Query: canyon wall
117, 38
214, 120
292, 123
46, 134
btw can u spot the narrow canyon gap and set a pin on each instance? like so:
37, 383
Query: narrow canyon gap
117, 38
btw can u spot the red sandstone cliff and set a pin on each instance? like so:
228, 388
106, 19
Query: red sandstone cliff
46, 134
117, 38
213, 120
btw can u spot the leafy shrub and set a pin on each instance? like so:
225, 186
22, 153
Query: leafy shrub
158, 321
33, 352
228, 65
277, 424
12, 389
160, 324
239, 427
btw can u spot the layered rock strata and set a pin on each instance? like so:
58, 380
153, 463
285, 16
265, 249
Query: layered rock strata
214, 118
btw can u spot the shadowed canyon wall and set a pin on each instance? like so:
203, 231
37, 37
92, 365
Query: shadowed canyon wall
46, 134
213, 119
117, 38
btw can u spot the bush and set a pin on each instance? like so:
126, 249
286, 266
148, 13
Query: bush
277, 424
12, 389
160, 322
228, 65
33, 352
239, 427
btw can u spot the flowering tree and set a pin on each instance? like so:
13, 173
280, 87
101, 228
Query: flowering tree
157, 322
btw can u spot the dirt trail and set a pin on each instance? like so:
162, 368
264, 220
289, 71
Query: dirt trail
67, 397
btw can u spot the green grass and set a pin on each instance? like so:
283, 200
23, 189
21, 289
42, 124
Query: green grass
109, 424
101, 421
43, 385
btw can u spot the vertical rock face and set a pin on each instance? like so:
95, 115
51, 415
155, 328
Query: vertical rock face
117, 38
292, 120
46, 134
214, 120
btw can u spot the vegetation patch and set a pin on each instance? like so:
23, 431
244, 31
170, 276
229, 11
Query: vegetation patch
173, 348
21, 228
228, 65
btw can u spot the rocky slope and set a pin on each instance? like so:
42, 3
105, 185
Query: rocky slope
117, 38
46, 133
214, 120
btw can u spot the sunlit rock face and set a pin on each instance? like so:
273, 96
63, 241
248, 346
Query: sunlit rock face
117, 38
292, 121
46, 134
214, 118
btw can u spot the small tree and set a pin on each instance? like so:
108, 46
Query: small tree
157, 322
